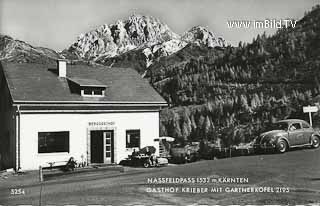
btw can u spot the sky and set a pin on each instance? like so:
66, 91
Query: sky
56, 24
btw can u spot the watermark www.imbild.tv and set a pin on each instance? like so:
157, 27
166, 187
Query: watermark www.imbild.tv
262, 24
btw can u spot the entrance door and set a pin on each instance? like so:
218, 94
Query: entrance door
96, 147
108, 142
102, 146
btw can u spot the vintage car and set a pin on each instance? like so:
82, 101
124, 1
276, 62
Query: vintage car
144, 161
145, 157
286, 134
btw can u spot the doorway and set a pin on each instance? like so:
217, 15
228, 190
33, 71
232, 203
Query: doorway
101, 147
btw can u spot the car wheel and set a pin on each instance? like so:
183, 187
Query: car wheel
146, 165
315, 142
282, 146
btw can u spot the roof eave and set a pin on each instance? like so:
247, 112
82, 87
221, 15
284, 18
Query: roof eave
92, 103
93, 85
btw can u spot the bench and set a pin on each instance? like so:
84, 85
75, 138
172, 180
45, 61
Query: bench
57, 164
64, 165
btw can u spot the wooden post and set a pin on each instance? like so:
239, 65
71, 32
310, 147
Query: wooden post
40, 174
310, 119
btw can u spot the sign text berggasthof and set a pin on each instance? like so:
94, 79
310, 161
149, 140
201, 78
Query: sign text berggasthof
101, 123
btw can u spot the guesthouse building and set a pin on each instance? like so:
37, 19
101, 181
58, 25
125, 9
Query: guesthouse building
49, 113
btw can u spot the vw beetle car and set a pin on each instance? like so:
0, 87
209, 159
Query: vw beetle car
286, 134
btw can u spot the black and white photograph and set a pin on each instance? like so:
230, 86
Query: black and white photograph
148, 102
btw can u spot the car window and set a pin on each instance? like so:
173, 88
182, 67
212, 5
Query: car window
294, 126
279, 126
305, 125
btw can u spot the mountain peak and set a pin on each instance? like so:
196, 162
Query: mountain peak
199, 28
135, 32
203, 36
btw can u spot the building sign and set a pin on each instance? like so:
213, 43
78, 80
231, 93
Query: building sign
101, 123
310, 109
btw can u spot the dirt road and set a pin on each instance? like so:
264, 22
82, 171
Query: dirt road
290, 178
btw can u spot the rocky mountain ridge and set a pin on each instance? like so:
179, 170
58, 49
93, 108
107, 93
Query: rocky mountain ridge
202, 36
18, 51
114, 39
144, 38
145, 34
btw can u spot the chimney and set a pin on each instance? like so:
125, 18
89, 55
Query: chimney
62, 67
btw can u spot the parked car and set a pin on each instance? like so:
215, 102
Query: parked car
286, 134
144, 157
144, 161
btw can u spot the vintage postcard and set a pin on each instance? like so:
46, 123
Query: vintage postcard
171, 102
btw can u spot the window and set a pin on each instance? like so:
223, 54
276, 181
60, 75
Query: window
279, 126
133, 138
294, 126
305, 125
49, 142
92, 91
97, 91
87, 91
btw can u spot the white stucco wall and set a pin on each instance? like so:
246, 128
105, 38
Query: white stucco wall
78, 125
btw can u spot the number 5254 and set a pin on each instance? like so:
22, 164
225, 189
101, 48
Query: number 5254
18, 191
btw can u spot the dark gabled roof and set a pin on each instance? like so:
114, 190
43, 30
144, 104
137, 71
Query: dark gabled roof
38, 82
87, 82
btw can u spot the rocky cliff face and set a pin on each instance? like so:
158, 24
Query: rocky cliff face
18, 51
111, 40
202, 36
198, 35
138, 33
